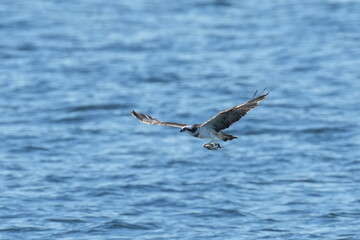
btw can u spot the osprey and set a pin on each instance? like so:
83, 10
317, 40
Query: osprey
211, 129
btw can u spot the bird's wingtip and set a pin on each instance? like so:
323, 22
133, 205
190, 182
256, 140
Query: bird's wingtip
133, 113
262, 95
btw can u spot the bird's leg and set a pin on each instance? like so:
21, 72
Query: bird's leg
213, 143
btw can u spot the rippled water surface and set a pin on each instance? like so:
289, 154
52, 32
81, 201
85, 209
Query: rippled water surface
75, 165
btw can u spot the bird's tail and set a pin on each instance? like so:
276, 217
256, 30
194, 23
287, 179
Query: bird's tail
225, 137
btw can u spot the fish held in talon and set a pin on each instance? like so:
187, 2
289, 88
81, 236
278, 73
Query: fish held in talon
212, 128
212, 146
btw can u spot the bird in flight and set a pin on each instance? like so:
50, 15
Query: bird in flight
212, 128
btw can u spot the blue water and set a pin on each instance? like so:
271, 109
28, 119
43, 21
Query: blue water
74, 164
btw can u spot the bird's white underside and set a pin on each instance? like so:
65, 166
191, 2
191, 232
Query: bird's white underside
204, 132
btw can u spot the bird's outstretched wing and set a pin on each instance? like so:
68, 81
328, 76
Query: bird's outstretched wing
144, 118
226, 118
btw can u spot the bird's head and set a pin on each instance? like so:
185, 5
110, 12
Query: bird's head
189, 129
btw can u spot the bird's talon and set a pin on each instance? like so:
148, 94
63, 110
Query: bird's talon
212, 146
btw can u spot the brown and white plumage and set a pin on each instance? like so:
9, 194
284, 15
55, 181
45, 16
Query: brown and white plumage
144, 118
210, 129
226, 118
